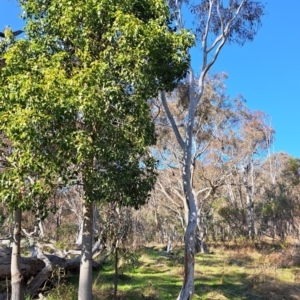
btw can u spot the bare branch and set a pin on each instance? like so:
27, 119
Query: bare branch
171, 119
204, 39
220, 17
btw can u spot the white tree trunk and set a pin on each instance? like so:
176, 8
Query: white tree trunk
78, 241
200, 238
41, 227
85, 277
210, 54
249, 200
187, 289
17, 282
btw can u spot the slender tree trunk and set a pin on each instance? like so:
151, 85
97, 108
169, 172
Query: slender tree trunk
187, 289
116, 273
200, 234
41, 227
250, 216
249, 200
78, 241
17, 281
95, 221
85, 277
169, 246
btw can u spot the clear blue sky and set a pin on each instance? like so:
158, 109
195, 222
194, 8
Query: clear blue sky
266, 71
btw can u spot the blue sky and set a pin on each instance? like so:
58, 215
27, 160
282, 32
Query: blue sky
266, 71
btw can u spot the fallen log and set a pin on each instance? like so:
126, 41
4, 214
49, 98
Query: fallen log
31, 266
39, 268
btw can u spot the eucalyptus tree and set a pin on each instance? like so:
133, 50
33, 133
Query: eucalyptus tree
74, 99
243, 148
277, 206
213, 119
216, 23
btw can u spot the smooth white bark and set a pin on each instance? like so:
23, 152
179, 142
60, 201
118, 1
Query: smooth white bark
195, 95
17, 283
85, 277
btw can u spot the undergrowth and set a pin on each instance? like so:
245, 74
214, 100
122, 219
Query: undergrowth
228, 272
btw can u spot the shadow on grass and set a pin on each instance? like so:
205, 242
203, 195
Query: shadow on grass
220, 276
239, 286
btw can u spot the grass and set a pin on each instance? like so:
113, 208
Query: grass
226, 273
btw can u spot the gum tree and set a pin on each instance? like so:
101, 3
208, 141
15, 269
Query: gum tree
216, 23
74, 100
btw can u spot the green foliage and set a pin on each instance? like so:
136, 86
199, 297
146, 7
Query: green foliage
280, 204
294, 170
129, 261
65, 235
73, 97
234, 217
64, 291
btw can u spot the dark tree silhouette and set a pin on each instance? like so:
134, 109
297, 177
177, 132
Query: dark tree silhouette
15, 33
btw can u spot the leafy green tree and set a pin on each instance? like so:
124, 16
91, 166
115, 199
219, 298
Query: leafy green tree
73, 101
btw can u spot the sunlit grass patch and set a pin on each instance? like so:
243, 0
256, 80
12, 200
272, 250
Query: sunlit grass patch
225, 273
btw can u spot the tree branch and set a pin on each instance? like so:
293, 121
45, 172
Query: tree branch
171, 119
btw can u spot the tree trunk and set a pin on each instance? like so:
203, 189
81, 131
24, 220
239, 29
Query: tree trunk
80, 234
31, 266
249, 200
200, 234
169, 246
187, 289
28, 265
85, 277
116, 273
41, 277
250, 217
41, 227
17, 280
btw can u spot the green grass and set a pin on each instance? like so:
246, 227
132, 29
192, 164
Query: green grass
223, 274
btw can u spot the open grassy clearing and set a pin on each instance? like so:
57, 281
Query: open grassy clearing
228, 272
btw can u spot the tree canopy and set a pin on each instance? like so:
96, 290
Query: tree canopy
74, 104
74, 92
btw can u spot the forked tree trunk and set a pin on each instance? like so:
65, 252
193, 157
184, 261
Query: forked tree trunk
85, 277
17, 280
187, 289
210, 53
